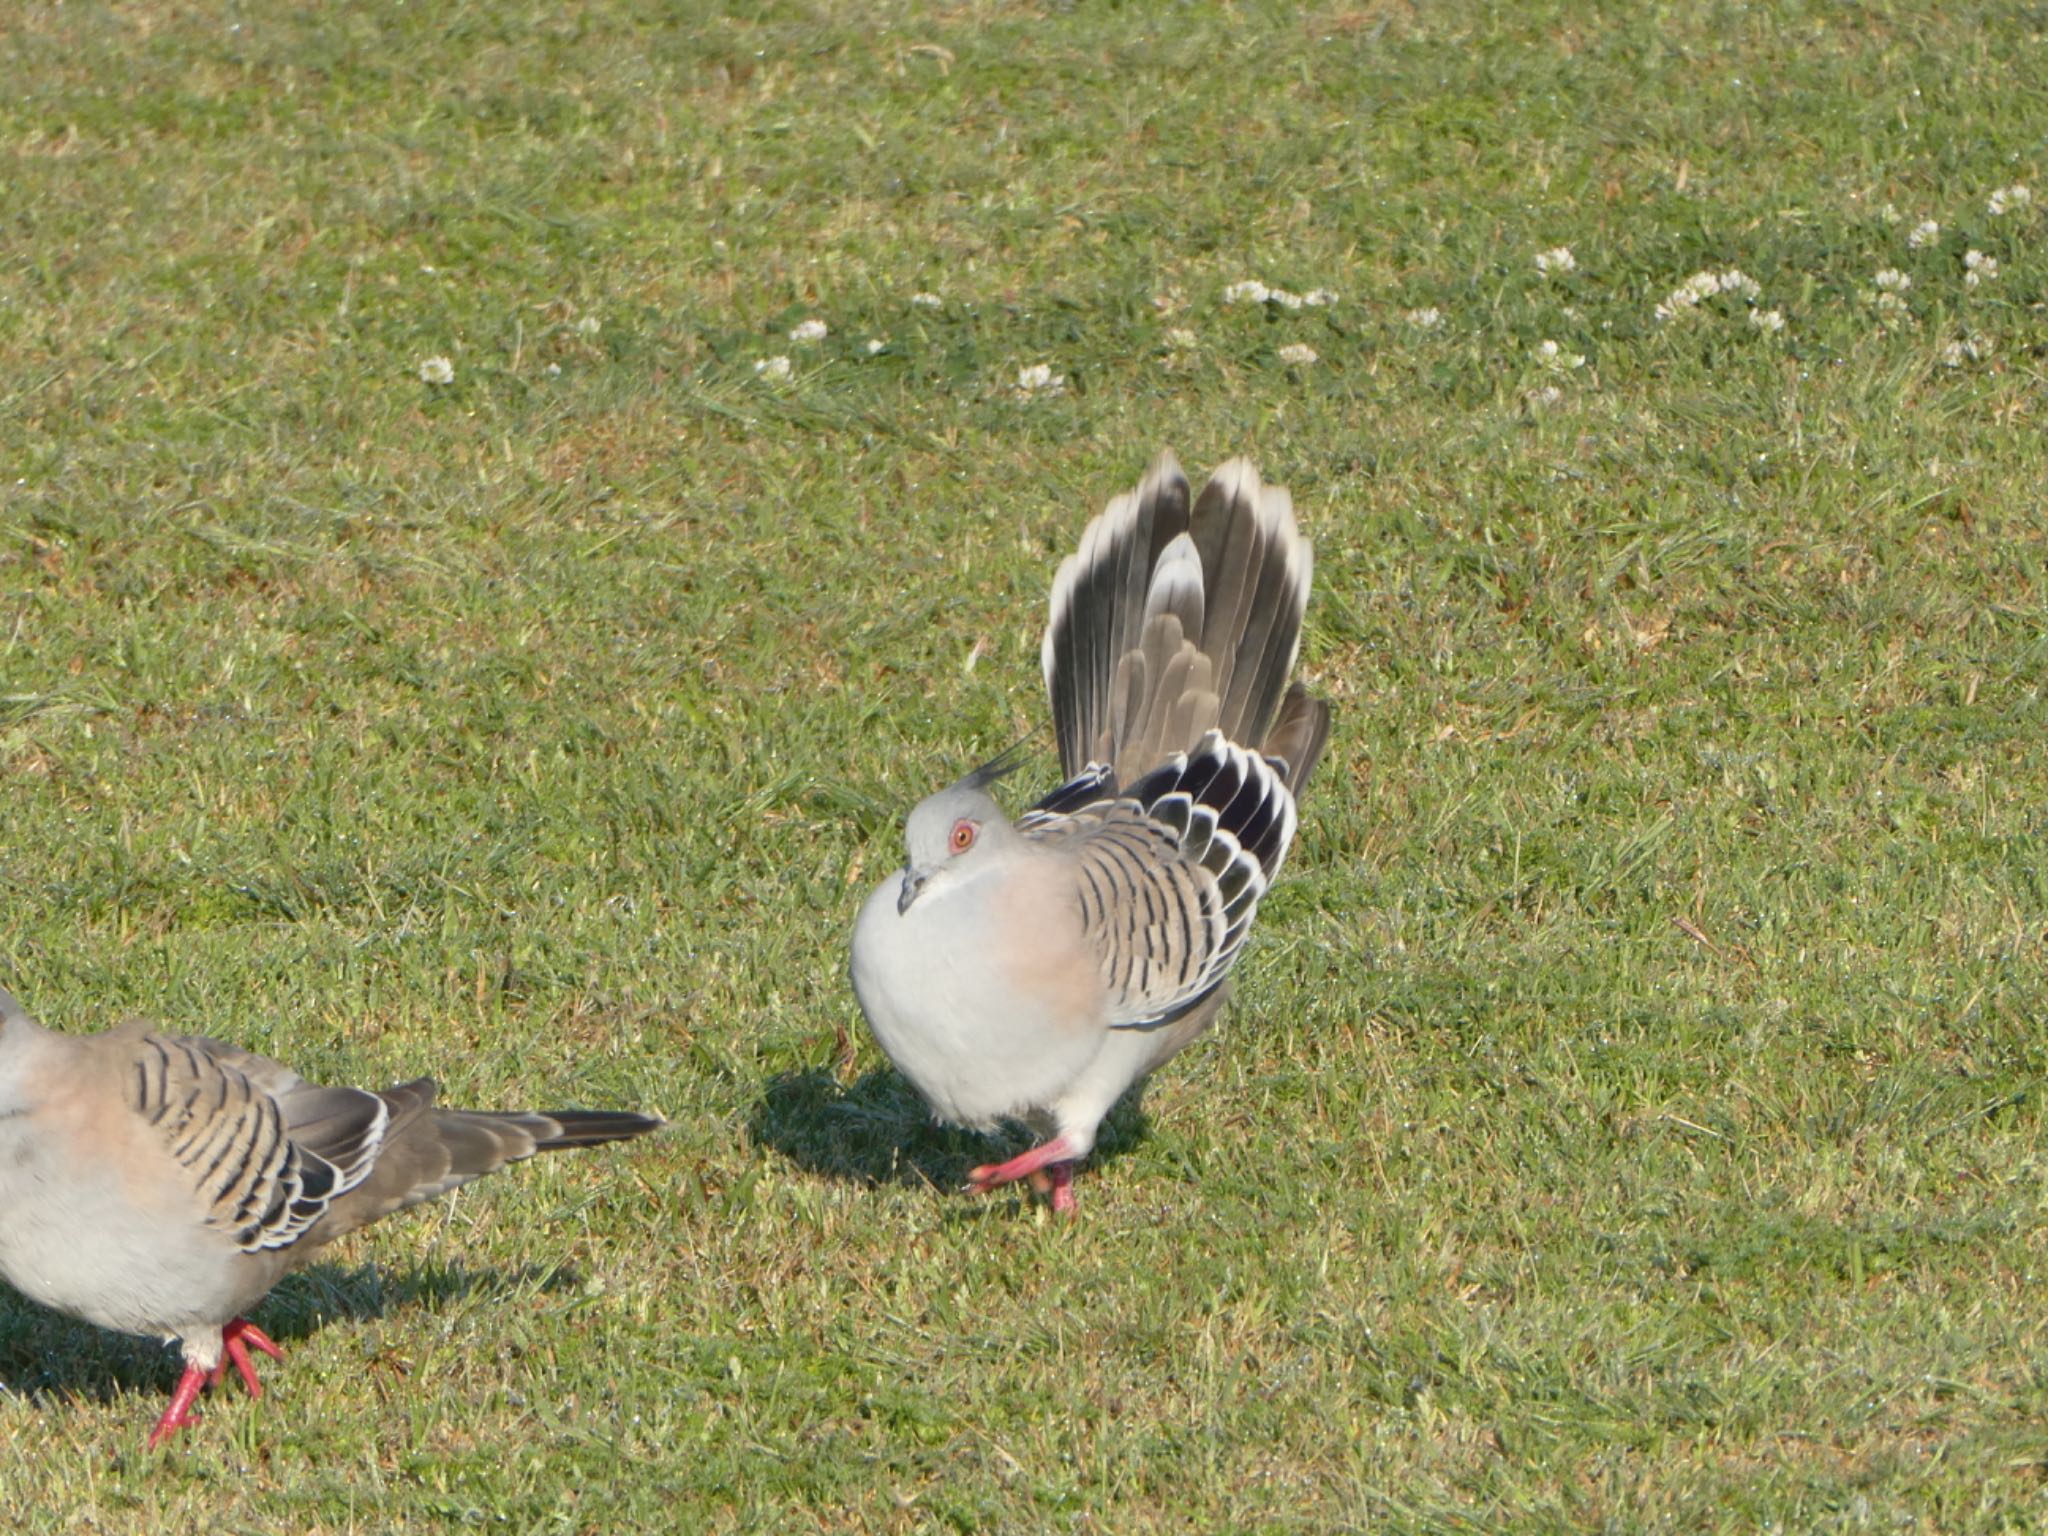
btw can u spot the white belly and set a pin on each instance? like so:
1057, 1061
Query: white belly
979, 1047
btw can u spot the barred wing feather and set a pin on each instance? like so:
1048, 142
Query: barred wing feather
256, 1177
1170, 872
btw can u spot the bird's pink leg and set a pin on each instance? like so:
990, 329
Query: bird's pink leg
235, 1340
179, 1414
1062, 1187
1055, 1157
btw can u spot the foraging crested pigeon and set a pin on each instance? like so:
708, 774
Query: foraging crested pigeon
1035, 970
161, 1184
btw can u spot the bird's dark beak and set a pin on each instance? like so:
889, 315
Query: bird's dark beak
913, 882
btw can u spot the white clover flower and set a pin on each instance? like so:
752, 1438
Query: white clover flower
1553, 357
1979, 268
1556, 261
553, 370
1319, 298
1039, 379
1180, 337
877, 344
1427, 319
1687, 295
436, 370
1543, 399
774, 369
1769, 321
589, 325
1973, 348
1250, 291
1297, 354
810, 330
925, 301
1889, 297
1706, 284
1922, 235
2008, 200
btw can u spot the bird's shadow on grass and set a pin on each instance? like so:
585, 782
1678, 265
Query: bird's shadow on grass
878, 1131
46, 1357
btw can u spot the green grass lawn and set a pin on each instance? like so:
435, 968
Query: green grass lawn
1631, 1113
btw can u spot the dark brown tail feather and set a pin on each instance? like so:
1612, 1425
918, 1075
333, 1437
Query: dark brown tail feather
593, 1127
1299, 735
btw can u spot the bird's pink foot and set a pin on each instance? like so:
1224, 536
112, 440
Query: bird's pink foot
180, 1413
235, 1340
1049, 1168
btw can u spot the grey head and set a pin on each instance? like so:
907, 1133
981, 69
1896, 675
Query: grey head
953, 833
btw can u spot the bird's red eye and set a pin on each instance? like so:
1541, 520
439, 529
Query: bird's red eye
963, 835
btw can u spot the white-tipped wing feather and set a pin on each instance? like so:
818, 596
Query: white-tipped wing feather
1169, 874
254, 1179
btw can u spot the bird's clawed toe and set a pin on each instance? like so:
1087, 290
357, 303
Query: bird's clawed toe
236, 1340
1049, 1169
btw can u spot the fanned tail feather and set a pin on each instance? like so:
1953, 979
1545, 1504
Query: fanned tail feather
1099, 608
1175, 618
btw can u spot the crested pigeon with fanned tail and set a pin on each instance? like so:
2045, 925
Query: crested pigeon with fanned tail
1034, 970
162, 1184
